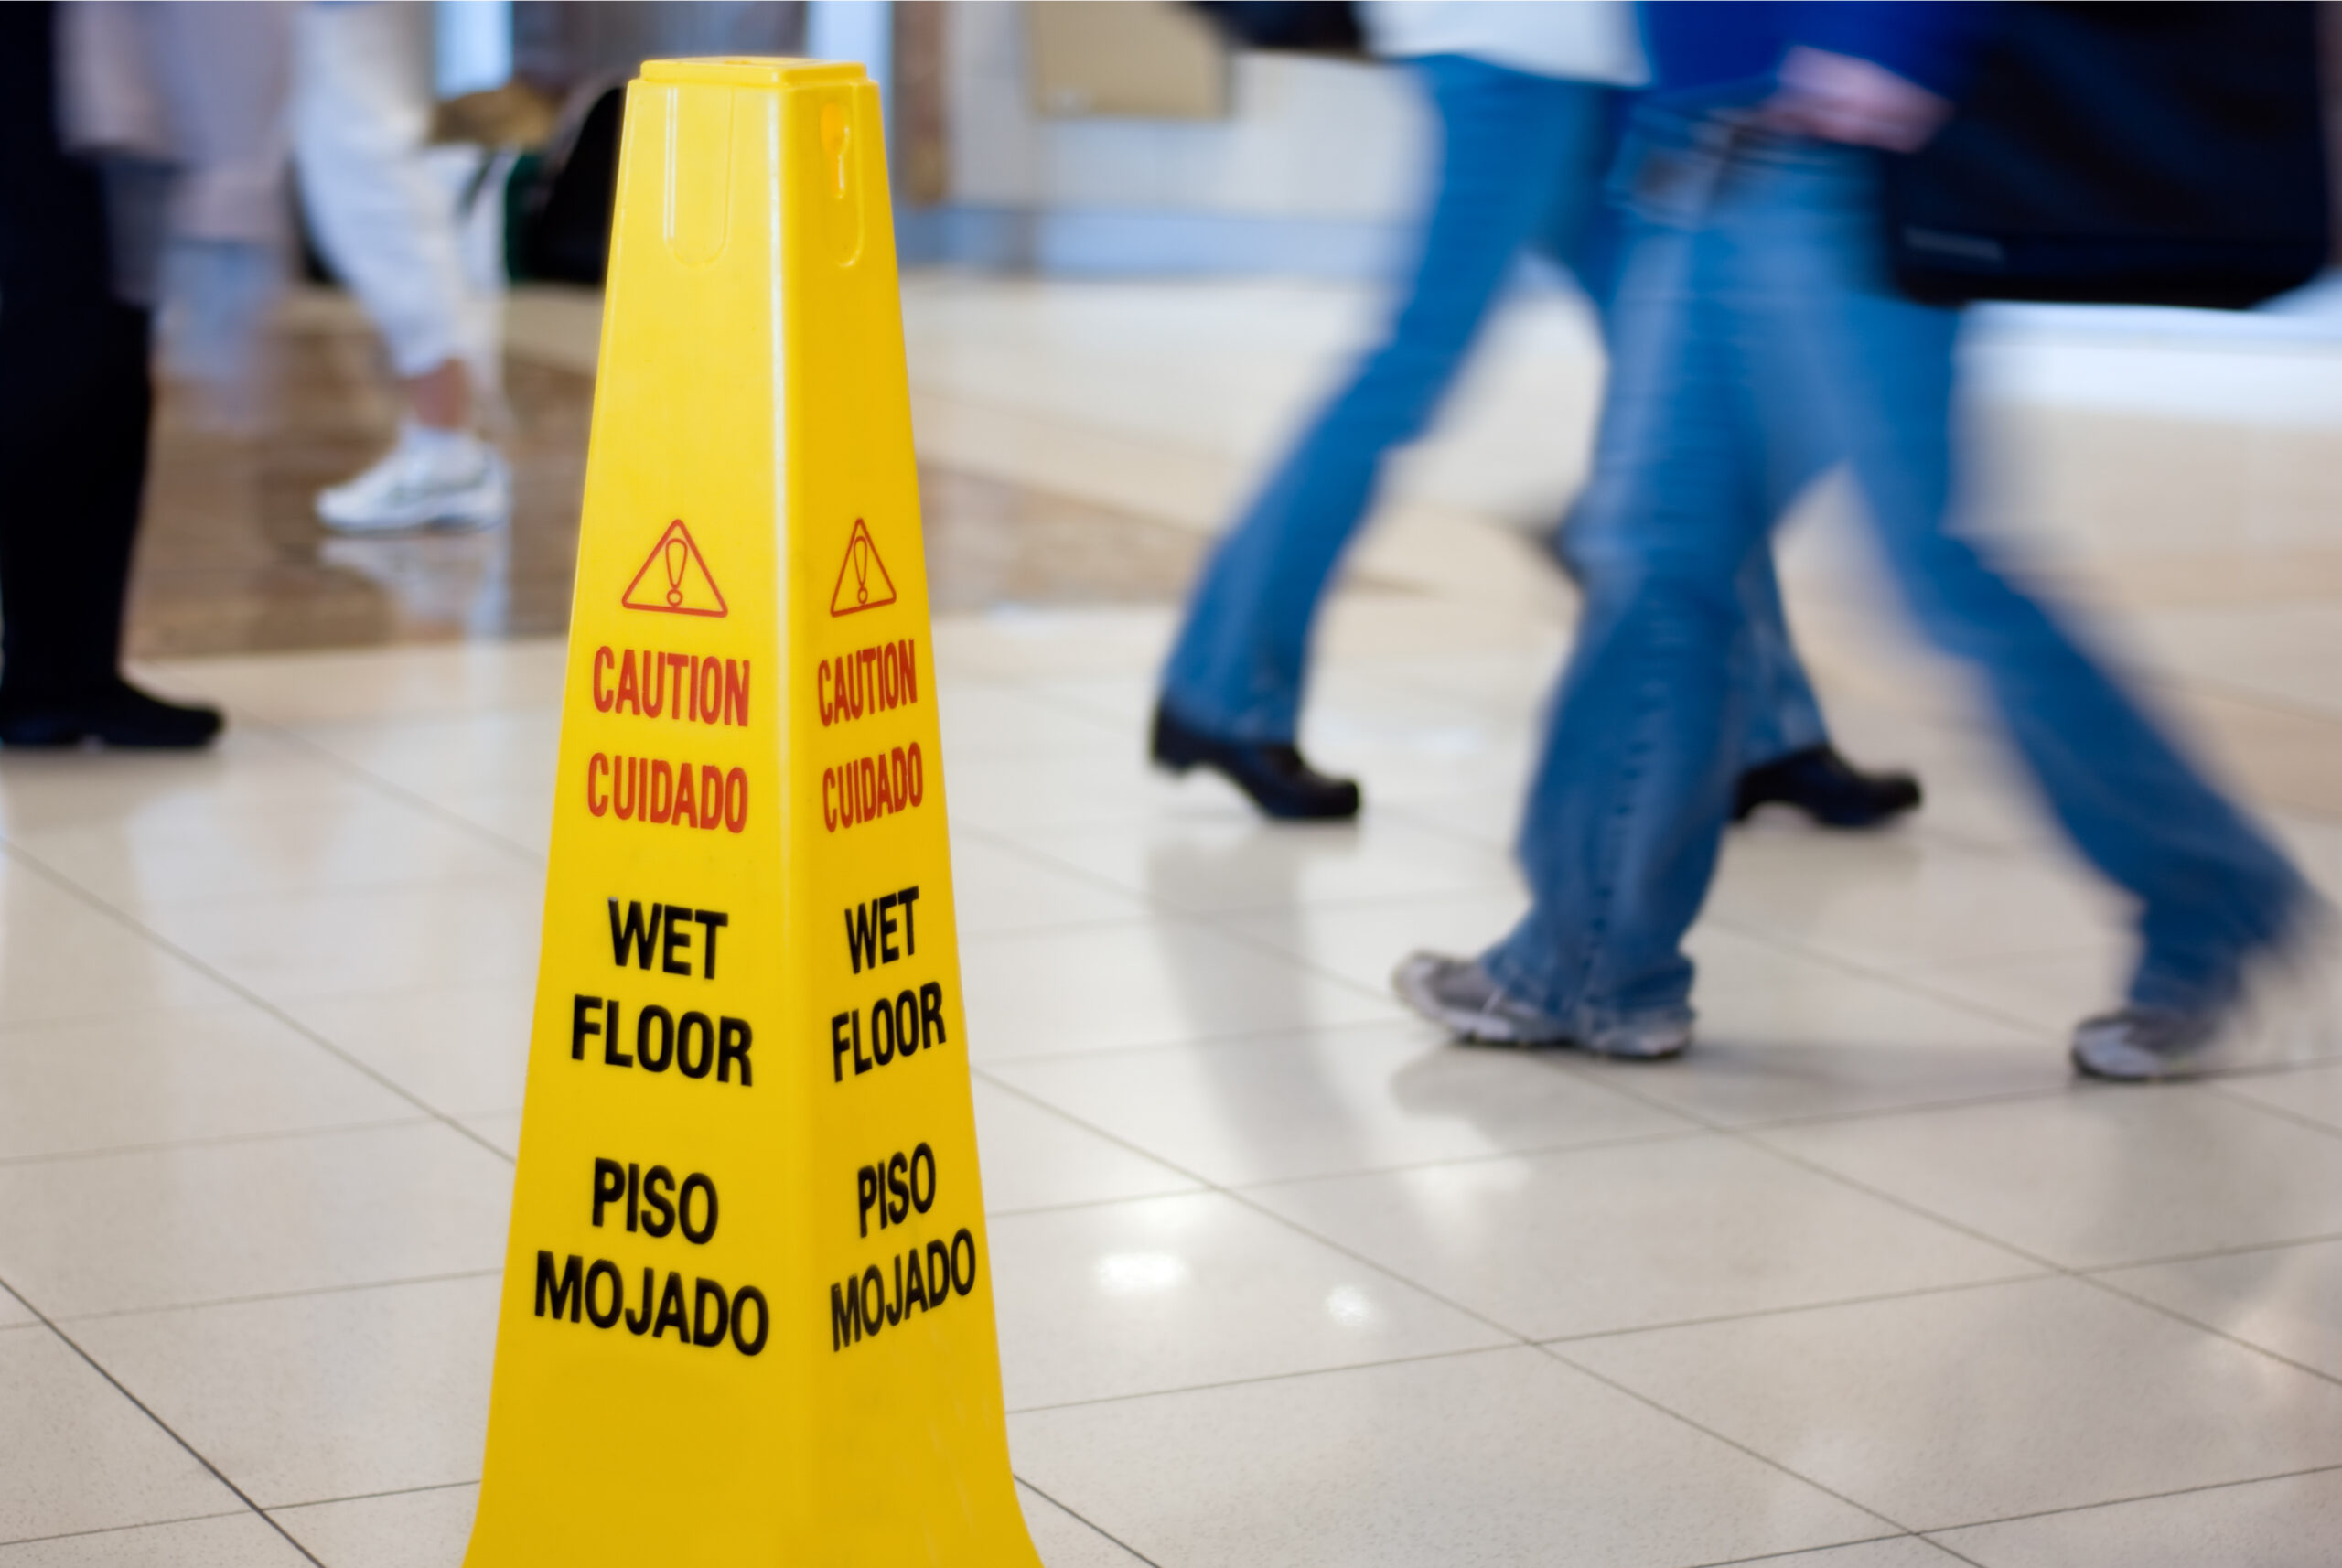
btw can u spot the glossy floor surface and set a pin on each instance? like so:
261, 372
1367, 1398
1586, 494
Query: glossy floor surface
232, 559
1865, 1281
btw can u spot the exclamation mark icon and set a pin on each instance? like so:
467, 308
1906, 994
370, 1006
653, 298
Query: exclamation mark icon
674, 578
863, 581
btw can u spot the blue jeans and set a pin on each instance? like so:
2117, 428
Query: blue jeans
1753, 316
1521, 161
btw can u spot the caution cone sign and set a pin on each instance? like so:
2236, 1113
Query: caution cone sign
747, 1304
863, 583
674, 578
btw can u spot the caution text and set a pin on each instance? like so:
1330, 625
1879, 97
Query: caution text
899, 1028
597, 1295
683, 686
924, 1278
693, 1044
867, 680
634, 940
652, 790
872, 787
871, 929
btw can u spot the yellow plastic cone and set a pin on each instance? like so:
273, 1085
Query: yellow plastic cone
747, 1309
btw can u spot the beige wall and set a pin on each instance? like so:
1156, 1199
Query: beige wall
1306, 139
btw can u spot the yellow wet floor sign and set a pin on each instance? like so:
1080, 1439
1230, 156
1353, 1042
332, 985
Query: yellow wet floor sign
748, 1308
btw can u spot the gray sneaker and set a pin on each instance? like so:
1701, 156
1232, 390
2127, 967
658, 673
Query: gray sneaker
1459, 994
2148, 1045
2284, 1010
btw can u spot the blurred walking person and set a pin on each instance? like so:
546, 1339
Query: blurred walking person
130, 135
386, 224
1527, 96
1755, 315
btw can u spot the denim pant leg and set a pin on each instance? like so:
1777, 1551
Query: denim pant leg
1780, 713
1238, 665
1878, 368
1631, 792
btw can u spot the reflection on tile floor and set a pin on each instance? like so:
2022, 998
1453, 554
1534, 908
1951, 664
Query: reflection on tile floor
231, 557
1866, 1281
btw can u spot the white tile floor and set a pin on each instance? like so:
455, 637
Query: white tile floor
1865, 1282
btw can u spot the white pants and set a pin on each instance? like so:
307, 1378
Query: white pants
379, 203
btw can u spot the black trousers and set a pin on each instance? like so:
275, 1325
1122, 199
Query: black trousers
76, 400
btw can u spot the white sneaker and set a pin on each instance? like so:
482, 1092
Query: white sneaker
1459, 994
430, 478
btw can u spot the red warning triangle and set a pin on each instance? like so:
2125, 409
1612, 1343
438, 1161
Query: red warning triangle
863, 583
675, 579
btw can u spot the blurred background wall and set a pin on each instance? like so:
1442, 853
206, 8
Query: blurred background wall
1296, 164
1063, 137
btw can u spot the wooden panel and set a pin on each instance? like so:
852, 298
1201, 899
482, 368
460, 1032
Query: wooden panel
1134, 58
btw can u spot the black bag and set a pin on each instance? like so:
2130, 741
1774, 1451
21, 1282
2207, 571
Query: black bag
2123, 155
563, 210
1308, 26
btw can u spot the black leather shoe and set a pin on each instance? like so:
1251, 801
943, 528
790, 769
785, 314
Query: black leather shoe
1827, 788
1272, 773
117, 714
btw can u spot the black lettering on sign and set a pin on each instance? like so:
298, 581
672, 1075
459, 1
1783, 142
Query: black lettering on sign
575, 1291
706, 1293
871, 928
894, 1188
649, 1190
657, 1183
666, 930
923, 1278
582, 1028
671, 1310
566, 1293
609, 1185
596, 1314
692, 1045
900, 1026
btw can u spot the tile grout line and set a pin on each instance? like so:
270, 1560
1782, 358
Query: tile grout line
1517, 1340
1203, 920
215, 1141
1240, 1037
1700, 1122
370, 1496
1858, 969
2050, 1265
130, 923
1256, 1379
2218, 1084
2128, 1502
1754, 1315
1156, 908
255, 1299
118, 1529
145, 1409
1084, 1519
403, 795
1793, 1553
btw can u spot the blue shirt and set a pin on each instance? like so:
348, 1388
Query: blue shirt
1706, 43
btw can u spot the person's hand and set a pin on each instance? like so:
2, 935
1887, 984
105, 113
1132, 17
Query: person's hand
1839, 98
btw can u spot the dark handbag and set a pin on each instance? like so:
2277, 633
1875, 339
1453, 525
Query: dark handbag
1306, 27
563, 217
2123, 155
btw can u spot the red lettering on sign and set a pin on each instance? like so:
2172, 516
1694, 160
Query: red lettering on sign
872, 787
660, 793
